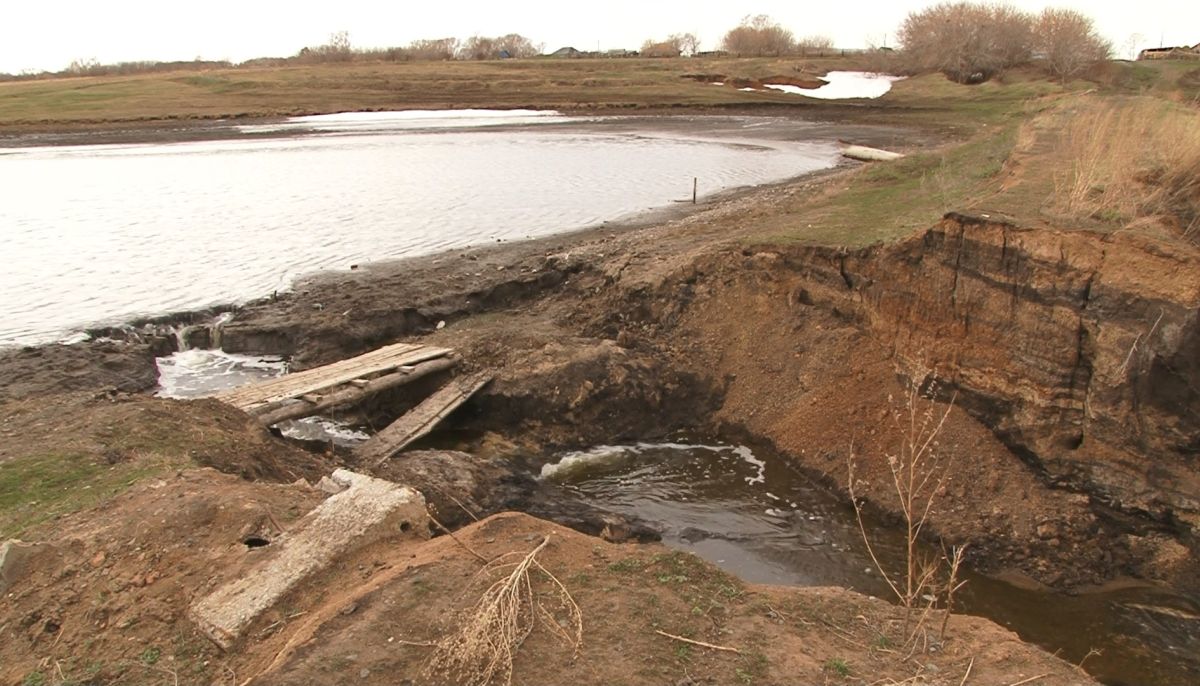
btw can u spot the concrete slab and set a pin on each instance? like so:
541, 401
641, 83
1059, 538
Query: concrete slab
368, 510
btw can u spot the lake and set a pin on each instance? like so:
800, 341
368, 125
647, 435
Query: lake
98, 235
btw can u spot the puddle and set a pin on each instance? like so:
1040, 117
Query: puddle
842, 85
753, 515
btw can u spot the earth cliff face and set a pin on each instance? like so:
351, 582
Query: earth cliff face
1080, 350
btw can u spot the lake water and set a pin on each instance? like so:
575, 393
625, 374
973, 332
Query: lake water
102, 234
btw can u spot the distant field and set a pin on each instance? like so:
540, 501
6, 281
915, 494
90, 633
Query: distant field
303, 89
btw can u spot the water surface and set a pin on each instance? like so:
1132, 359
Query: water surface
752, 514
103, 234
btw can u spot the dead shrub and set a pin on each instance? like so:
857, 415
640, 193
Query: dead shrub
481, 651
918, 471
759, 36
968, 42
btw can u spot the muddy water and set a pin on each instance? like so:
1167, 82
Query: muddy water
753, 515
104, 233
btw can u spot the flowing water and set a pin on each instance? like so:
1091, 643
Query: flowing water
105, 233
752, 514
198, 373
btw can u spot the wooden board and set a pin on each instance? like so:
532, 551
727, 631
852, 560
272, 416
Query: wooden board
420, 420
266, 395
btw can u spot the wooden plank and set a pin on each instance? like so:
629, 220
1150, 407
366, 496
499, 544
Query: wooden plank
354, 393
266, 395
420, 420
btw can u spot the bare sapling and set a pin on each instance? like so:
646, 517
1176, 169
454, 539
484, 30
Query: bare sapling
918, 470
481, 651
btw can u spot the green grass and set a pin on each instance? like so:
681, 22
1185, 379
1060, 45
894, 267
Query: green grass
838, 666
889, 200
38, 488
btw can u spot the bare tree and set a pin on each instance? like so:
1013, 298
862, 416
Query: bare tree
818, 45
485, 48
759, 36
1131, 45
687, 43
338, 49
968, 42
1068, 41
665, 48
433, 50
518, 46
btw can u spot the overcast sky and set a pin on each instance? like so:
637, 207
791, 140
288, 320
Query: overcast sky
42, 35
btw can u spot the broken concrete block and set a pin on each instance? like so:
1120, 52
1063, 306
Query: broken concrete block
329, 486
366, 511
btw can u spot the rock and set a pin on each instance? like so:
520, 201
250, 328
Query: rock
329, 486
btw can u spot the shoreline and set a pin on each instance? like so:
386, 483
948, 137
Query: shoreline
683, 127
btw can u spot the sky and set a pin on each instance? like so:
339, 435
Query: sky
47, 36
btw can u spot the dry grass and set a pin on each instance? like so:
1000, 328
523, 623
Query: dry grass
481, 652
1130, 158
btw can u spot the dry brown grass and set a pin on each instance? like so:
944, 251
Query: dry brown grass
481, 652
1130, 158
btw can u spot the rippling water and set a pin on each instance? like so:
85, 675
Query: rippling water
102, 234
753, 515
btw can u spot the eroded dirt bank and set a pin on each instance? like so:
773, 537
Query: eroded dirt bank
1073, 356
1074, 430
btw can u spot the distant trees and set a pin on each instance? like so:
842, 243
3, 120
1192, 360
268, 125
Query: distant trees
511, 45
431, 50
971, 42
814, 45
665, 48
968, 42
759, 36
338, 49
1068, 41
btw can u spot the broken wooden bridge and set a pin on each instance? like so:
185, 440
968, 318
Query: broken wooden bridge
349, 382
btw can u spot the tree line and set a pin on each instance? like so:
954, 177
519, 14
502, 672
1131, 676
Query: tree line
969, 42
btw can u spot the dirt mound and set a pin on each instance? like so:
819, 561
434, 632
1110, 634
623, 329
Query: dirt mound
62, 453
103, 598
96, 366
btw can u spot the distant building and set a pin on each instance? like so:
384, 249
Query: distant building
568, 52
620, 52
1182, 52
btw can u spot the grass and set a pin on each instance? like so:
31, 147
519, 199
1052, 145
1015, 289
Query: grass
890, 200
302, 89
1125, 158
838, 666
37, 488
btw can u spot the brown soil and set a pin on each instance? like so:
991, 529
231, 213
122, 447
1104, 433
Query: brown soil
105, 601
1065, 473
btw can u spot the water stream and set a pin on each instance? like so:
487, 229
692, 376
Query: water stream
754, 515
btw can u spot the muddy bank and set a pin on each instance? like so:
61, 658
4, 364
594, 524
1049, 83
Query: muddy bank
1073, 430
107, 602
1072, 355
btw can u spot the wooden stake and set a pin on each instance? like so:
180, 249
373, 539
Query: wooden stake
695, 184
